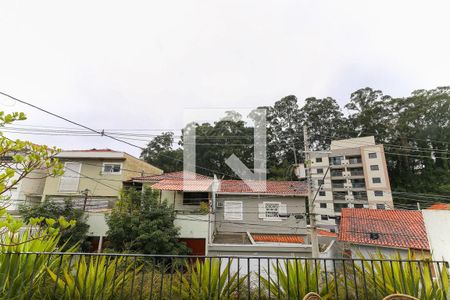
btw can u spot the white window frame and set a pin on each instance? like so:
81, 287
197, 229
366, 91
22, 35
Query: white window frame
233, 215
77, 177
111, 173
281, 206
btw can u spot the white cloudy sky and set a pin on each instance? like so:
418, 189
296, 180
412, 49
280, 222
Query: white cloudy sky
138, 64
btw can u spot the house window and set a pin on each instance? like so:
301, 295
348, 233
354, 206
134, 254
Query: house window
111, 168
358, 205
322, 193
374, 167
272, 211
318, 159
320, 171
324, 217
195, 198
376, 180
232, 210
381, 206
379, 193
372, 155
70, 179
323, 205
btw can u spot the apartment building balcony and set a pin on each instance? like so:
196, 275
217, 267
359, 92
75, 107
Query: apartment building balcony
358, 184
339, 196
339, 206
356, 172
338, 184
337, 173
360, 196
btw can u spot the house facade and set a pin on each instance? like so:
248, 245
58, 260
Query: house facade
93, 180
268, 223
364, 232
353, 174
225, 217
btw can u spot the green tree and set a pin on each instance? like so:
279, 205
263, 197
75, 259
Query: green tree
324, 120
50, 210
160, 152
139, 222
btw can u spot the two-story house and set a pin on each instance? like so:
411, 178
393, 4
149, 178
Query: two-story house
226, 217
93, 180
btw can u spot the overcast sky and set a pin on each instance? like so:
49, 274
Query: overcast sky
138, 64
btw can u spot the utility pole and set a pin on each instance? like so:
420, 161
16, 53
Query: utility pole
312, 216
85, 192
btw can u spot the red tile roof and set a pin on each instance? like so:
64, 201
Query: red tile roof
278, 238
203, 185
395, 228
285, 188
326, 233
172, 175
440, 206
91, 150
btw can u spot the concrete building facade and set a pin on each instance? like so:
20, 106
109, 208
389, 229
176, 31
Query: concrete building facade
353, 174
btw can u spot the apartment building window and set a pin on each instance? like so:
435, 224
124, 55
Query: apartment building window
323, 205
358, 205
324, 217
339, 195
378, 193
70, 179
112, 168
376, 180
339, 206
320, 182
232, 210
381, 206
318, 159
374, 167
320, 171
195, 198
322, 193
372, 155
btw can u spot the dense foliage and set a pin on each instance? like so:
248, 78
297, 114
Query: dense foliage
47, 209
415, 131
141, 223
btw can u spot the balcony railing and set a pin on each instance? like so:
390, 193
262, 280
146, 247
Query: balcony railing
358, 185
354, 160
137, 276
336, 173
357, 173
337, 185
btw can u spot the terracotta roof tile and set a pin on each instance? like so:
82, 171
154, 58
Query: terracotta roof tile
440, 206
326, 233
286, 188
91, 150
395, 228
278, 238
203, 185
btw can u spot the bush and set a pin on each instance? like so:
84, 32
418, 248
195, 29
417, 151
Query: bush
77, 235
141, 223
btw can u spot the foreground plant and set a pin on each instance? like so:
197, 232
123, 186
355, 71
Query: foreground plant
390, 275
22, 269
208, 279
293, 279
94, 277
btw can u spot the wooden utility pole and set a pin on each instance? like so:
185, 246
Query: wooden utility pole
85, 193
312, 215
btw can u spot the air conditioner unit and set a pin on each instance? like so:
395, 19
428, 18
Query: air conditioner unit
219, 204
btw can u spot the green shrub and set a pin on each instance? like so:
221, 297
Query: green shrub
94, 277
207, 280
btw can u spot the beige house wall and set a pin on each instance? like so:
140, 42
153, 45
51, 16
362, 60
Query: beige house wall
138, 167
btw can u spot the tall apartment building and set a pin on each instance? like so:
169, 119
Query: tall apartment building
352, 174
